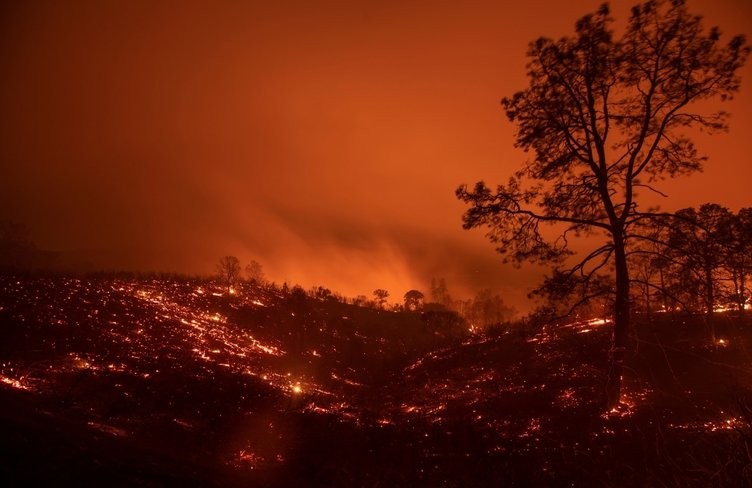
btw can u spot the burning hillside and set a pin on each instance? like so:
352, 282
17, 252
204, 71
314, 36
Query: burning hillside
144, 382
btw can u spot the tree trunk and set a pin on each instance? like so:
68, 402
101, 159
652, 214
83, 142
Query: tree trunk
621, 324
741, 296
709, 301
663, 290
646, 273
737, 293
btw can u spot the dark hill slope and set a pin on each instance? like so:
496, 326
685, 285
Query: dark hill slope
185, 380
526, 408
108, 382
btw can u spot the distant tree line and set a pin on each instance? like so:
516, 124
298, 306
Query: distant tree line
697, 261
484, 310
481, 312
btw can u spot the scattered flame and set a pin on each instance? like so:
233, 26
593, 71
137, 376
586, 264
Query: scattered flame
13, 383
730, 423
215, 343
108, 429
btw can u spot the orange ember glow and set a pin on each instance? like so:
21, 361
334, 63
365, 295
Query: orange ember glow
154, 331
13, 383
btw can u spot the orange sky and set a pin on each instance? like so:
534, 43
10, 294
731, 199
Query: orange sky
324, 139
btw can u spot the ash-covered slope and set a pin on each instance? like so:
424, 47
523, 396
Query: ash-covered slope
180, 368
173, 382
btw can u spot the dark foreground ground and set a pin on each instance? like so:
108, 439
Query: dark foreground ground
114, 382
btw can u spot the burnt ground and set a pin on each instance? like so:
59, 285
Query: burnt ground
127, 382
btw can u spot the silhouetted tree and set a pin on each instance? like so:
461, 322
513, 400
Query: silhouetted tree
603, 117
650, 261
739, 260
699, 242
487, 309
440, 293
321, 293
642, 272
228, 269
413, 300
380, 295
255, 272
701, 257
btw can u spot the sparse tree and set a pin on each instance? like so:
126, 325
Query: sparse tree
321, 293
739, 260
701, 258
699, 242
642, 273
440, 293
648, 263
228, 269
255, 272
380, 295
413, 300
605, 117
487, 309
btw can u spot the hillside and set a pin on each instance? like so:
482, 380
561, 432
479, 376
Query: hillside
172, 382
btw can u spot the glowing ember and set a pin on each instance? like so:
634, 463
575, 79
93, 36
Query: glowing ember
14, 383
519, 392
533, 427
730, 423
567, 399
108, 429
248, 459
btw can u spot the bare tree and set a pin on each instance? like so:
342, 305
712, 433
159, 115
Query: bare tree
255, 272
605, 117
228, 269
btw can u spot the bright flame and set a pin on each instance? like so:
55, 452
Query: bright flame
13, 383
